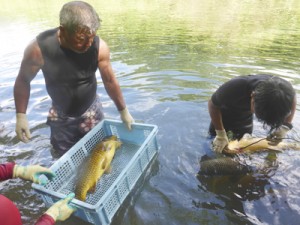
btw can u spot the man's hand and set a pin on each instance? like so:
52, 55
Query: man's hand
277, 135
32, 173
61, 210
22, 128
126, 118
220, 141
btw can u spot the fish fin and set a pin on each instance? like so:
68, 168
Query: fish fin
109, 146
93, 188
108, 169
274, 149
104, 164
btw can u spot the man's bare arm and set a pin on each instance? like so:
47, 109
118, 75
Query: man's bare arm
31, 63
215, 115
108, 77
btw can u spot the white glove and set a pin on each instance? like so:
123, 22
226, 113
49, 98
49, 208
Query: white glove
126, 118
220, 141
22, 128
278, 134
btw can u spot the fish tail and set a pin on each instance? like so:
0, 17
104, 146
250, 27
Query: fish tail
295, 145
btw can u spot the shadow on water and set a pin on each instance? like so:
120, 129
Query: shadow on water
233, 190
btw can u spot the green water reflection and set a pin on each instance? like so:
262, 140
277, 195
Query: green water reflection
234, 23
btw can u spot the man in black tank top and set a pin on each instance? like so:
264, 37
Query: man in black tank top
69, 57
231, 107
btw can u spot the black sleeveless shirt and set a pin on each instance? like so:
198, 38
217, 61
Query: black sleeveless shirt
234, 100
235, 94
70, 77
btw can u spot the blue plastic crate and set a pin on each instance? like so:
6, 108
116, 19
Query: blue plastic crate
139, 147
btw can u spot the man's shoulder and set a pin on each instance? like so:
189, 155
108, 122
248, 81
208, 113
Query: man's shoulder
102, 43
104, 51
47, 33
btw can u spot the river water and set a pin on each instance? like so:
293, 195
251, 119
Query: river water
169, 57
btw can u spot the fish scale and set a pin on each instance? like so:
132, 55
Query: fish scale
95, 165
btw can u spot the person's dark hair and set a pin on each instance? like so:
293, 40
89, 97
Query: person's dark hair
79, 14
273, 99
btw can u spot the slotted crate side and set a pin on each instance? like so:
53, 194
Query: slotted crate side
48, 200
94, 137
136, 136
78, 157
153, 147
115, 198
91, 216
62, 171
123, 188
133, 172
144, 159
111, 204
132, 175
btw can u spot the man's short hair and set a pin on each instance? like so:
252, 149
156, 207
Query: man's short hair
79, 14
273, 100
